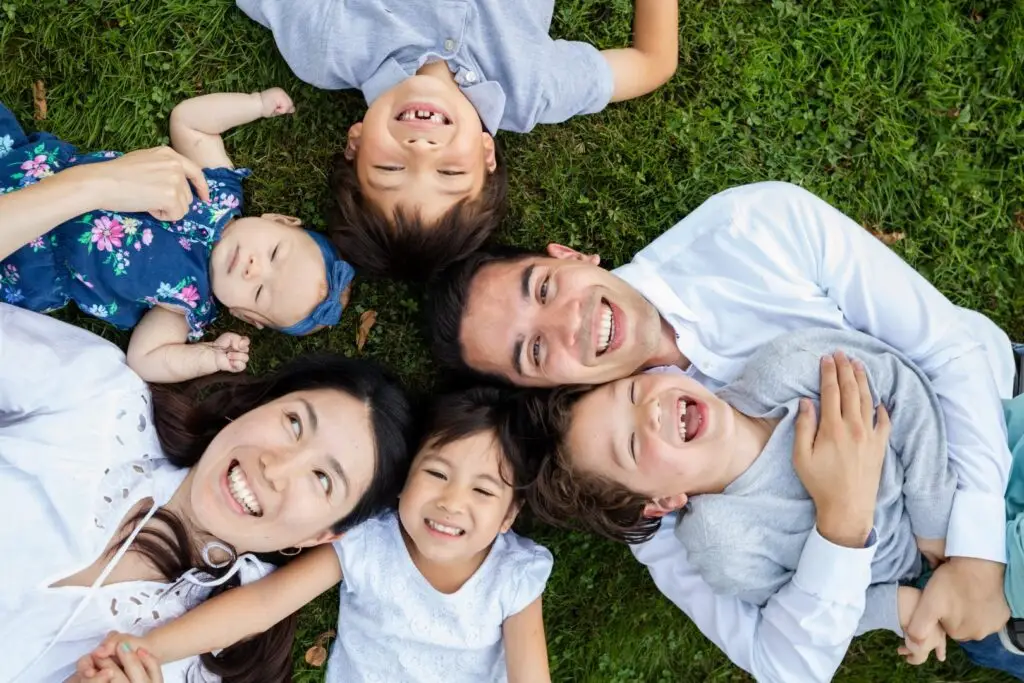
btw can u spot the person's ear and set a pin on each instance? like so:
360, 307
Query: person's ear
659, 507
326, 536
490, 156
561, 251
355, 136
245, 317
510, 516
290, 221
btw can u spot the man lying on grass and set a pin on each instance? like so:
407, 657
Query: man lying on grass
750, 264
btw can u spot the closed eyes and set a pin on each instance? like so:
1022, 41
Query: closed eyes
632, 436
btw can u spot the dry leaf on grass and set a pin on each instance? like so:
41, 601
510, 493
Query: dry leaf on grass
39, 99
1019, 218
317, 655
888, 238
366, 322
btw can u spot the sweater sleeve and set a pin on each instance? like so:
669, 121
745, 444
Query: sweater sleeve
880, 610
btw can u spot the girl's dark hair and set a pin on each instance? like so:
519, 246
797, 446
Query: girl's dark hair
188, 417
462, 414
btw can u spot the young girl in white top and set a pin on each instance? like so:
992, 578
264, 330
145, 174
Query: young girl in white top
440, 590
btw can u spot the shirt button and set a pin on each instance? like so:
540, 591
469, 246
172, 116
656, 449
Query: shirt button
471, 77
449, 45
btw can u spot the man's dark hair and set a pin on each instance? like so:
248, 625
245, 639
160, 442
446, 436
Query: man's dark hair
446, 306
402, 245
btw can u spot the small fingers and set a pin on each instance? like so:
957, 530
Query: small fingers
150, 663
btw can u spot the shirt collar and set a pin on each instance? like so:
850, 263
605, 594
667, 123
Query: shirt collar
652, 286
488, 97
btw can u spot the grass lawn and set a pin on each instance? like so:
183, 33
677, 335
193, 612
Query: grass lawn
905, 114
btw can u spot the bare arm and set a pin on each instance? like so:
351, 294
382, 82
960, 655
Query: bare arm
197, 123
159, 351
242, 612
652, 59
152, 180
526, 648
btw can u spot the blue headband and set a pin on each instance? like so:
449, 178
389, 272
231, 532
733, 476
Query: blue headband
339, 275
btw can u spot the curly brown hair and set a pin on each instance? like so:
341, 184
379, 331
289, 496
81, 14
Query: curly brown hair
402, 245
566, 497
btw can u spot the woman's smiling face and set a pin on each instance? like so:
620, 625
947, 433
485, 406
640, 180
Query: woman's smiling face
283, 473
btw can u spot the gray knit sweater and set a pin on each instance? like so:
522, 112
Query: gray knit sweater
747, 540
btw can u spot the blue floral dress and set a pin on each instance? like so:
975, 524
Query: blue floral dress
114, 266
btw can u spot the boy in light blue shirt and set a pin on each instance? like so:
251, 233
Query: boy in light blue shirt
421, 182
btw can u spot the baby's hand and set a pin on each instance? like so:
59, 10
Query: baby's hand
276, 102
908, 599
231, 351
934, 550
88, 666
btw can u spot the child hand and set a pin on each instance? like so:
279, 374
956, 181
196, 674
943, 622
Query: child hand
231, 352
934, 550
915, 652
276, 102
89, 666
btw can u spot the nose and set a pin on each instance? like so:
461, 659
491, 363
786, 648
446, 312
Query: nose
252, 268
281, 466
420, 143
565, 322
452, 500
649, 414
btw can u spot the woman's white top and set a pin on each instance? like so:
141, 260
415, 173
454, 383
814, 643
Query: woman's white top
394, 626
77, 451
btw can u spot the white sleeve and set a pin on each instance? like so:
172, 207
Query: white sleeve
881, 295
45, 363
804, 630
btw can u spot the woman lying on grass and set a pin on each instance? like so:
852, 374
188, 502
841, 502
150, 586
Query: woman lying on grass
440, 590
631, 451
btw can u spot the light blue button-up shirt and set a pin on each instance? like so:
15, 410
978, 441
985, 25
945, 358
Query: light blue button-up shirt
499, 51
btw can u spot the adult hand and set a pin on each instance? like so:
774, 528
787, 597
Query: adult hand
152, 180
964, 595
839, 460
125, 666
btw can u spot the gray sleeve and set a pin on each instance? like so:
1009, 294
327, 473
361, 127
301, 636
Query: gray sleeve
881, 610
788, 367
729, 563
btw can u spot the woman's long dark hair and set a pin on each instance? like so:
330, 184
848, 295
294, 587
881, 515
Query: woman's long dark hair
188, 417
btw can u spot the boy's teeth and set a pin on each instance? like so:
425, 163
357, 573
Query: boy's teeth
241, 492
607, 328
450, 530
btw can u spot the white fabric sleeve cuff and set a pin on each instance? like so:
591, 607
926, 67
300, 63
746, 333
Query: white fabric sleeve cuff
834, 573
977, 526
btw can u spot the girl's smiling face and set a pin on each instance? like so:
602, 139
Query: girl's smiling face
661, 435
456, 500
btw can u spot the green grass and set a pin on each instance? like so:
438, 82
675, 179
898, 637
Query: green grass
905, 114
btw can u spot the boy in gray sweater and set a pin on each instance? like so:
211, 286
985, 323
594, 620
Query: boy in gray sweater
659, 442
421, 182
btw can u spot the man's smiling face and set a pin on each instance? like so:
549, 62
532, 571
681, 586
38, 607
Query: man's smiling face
546, 321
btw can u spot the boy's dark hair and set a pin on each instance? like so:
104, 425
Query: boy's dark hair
565, 497
402, 246
479, 409
446, 306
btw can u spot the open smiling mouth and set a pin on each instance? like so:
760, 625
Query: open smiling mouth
691, 418
418, 113
606, 333
240, 491
444, 529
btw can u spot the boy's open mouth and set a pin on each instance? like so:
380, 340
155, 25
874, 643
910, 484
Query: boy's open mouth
420, 112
